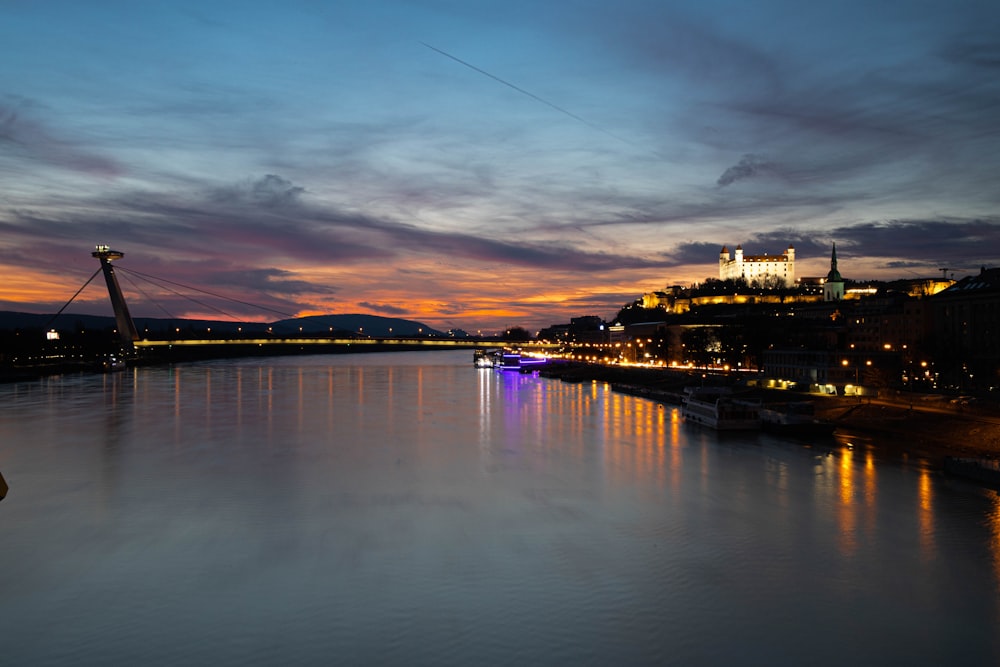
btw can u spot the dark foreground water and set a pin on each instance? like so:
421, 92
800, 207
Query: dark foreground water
408, 509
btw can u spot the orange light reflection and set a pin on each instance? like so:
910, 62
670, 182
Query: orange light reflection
846, 510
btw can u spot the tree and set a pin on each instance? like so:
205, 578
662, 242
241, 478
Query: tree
700, 344
518, 334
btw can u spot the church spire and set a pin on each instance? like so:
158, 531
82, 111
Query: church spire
833, 288
834, 275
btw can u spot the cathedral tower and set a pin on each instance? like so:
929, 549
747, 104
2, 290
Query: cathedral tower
833, 288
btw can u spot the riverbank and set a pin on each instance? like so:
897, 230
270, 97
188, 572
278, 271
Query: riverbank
897, 427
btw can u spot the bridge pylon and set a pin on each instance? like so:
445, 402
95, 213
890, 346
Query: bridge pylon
123, 320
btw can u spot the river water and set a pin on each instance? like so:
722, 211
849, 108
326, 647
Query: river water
408, 509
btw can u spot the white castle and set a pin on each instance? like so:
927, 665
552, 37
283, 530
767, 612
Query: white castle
757, 267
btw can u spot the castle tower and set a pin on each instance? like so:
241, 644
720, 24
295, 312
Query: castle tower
790, 266
123, 320
833, 288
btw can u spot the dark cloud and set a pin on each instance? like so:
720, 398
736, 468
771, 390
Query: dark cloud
522, 253
270, 191
903, 244
268, 281
965, 244
385, 308
749, 165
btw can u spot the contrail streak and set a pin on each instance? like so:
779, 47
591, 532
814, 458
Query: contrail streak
529, 94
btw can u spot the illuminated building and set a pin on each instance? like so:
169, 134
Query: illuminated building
762, 269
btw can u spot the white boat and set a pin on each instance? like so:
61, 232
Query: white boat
484, 359
716, 408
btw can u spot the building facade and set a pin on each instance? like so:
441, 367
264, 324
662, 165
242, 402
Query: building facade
762, 269
966, 321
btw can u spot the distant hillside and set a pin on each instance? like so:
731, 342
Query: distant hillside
371, 325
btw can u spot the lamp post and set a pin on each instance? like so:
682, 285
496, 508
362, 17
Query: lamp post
845, 363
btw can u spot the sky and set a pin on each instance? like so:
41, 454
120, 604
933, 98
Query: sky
482, 165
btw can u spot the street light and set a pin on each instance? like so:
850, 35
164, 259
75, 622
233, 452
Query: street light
845, 363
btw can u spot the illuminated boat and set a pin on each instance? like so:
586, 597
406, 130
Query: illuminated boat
716, 408
506, 360
515, 361
510, 361
484, 359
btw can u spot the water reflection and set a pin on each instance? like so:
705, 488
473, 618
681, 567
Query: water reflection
994, 525
411, 509
925, 514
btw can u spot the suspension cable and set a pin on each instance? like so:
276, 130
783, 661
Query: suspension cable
184, 296
135, 285
152, 279
52, 319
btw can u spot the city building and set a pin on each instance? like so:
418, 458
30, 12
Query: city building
966, 320
761, 269
664, 299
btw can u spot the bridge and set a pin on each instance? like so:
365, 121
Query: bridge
131, 343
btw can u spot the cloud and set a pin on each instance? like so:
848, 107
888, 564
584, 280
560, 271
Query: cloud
223, 240
270, 191
383, 308
749, 165
26, 139
269, 281
963, 243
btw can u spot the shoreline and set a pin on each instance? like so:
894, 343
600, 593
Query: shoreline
901, 427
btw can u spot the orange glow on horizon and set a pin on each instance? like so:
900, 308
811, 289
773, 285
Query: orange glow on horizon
461, 294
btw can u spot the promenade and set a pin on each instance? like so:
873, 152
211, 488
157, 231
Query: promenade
898, 424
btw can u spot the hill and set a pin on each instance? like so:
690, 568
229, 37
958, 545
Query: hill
372, 325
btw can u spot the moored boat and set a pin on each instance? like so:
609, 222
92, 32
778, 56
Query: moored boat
507, 360
717, 408
796, 418
484, 358
984, 471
